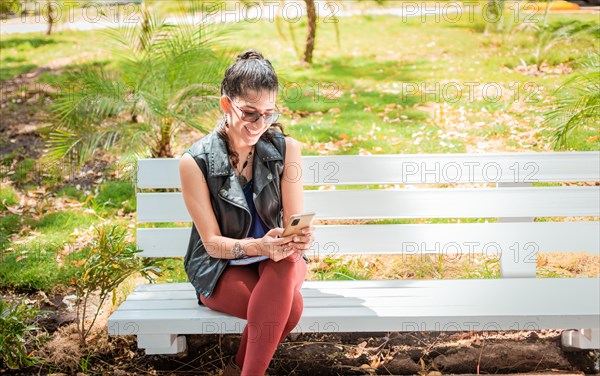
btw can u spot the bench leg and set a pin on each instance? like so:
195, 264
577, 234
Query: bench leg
161, 343
581, 339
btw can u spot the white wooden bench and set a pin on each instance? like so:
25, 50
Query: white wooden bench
160, 315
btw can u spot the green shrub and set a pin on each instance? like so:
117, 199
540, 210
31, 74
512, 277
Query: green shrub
111, 260
16, 338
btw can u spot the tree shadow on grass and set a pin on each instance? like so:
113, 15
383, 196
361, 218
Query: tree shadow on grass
21, 42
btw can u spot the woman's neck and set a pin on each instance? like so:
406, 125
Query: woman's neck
243, 149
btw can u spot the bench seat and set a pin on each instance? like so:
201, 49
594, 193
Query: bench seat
499, 205
380, 305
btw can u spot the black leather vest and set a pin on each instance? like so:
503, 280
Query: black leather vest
229, 203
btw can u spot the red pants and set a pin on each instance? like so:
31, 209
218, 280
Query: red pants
267, 294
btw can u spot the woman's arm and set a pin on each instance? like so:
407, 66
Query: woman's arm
292, 192
197, 201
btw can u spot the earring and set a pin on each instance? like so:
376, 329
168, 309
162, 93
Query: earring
225, 122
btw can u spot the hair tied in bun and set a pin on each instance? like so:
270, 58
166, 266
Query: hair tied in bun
250, 55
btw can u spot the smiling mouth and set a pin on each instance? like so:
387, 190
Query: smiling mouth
252, 133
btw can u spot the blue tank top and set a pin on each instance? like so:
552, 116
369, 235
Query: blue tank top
257, 227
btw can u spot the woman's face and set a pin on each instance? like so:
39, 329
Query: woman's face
240, 108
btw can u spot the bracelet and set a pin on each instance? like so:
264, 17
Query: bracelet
237, 251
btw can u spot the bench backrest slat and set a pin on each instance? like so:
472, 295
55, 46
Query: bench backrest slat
412, 203
410, 239
414, 169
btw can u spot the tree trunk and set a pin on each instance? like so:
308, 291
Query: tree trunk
50, 16
311, 14
163, 149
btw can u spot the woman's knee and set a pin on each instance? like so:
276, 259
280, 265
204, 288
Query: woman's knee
297, 308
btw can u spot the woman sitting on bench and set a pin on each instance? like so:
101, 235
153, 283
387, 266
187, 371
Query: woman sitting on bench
241, 183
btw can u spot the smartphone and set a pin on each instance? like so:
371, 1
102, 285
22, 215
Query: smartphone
297, 222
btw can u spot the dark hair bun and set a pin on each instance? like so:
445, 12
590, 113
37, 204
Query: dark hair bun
250, 55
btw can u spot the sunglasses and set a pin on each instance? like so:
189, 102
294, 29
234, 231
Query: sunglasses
254, 116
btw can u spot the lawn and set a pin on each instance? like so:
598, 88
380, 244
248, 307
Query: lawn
391, 85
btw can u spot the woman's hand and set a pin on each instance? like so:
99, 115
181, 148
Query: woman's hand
301, 243
274, 247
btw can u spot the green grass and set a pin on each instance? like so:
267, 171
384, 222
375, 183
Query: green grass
342, 273
38, 265
345, 80
47, 260
367, 70
71, 192
163, 224
10, 223
488, 268
8, 197
117, 194
173, 271
24, 52
543, 272
50, 259
57, 226
433, 220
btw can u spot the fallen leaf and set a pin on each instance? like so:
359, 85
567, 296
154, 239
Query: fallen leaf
14, 210
375, 363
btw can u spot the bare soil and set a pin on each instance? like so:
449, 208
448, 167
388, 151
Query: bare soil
369, 353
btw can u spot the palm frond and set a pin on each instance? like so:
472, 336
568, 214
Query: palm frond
138, 40
203, 123
197, 92
566, 120
92, 96
551, 36
579, 104
152, 107
81, 146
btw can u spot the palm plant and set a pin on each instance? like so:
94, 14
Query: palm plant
168, 78
580, 104
549, 37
